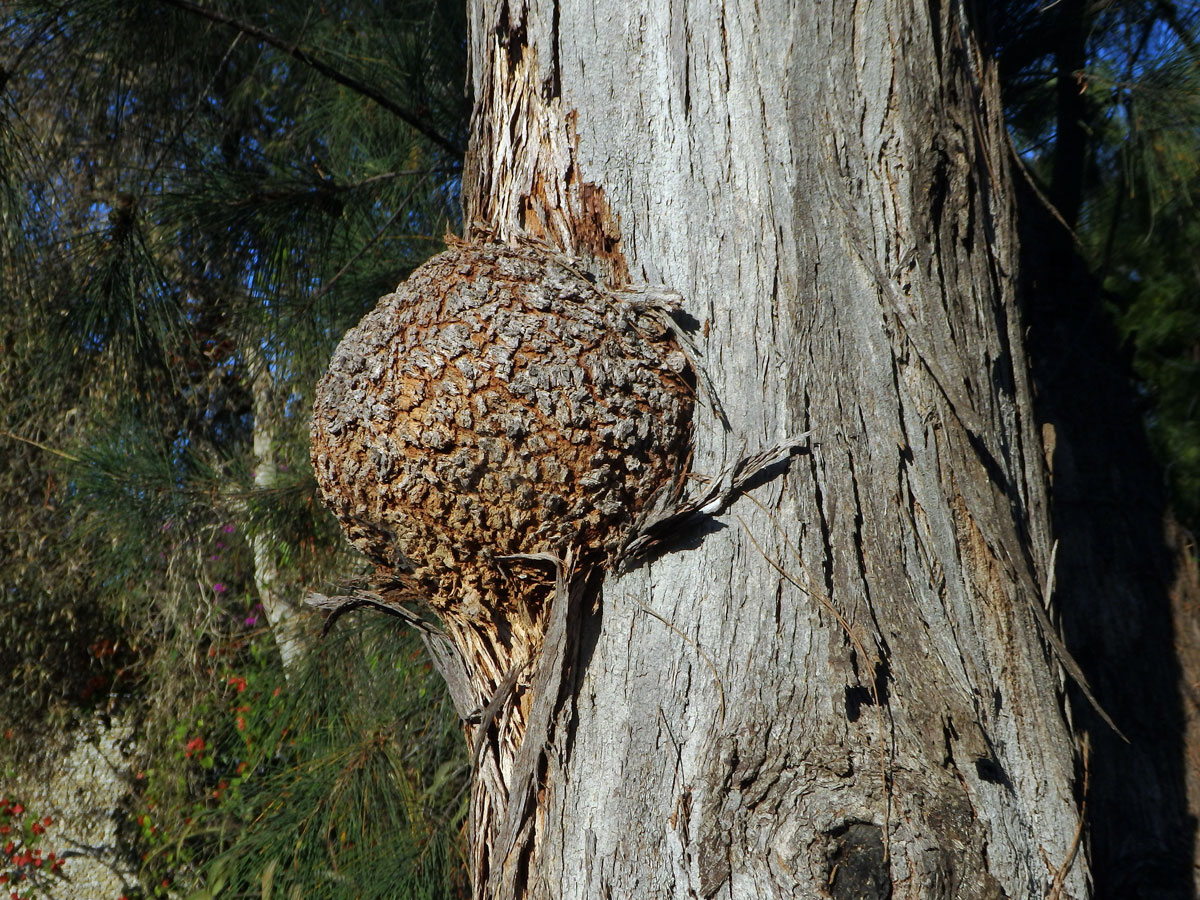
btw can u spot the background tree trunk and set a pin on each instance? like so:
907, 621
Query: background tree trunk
281, 610
1127, 582
841, 686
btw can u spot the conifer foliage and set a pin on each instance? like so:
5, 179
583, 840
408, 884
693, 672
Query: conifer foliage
196, 201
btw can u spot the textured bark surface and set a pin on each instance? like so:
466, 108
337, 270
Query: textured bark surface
841, 689
498, 403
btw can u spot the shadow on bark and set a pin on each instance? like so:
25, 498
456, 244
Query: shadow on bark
858, 867
1118, 570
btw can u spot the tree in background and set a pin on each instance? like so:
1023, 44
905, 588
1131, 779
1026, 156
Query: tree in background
1103, 101
195, 203
1102, 106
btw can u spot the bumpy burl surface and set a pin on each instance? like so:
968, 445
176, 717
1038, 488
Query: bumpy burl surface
498, 403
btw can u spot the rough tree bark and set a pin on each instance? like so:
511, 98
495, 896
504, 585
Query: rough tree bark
837, 683
841, 688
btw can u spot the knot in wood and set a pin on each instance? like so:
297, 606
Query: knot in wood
499, 403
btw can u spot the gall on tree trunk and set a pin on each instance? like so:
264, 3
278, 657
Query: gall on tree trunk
840, 686
836, 683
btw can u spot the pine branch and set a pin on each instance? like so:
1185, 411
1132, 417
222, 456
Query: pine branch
402, 113
40, 446
402, 208
1170, 15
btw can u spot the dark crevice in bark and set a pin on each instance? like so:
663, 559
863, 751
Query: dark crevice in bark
977, 191
949, 736
713, 839
826, 537
555, 85
579, 657
860, 695
514, 36
996, 472
858, 866
857, 697
1114, 571
860, 557
935, 17
989, 769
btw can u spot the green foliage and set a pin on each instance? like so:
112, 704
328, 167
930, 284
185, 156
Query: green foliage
334, 782
1156, 301
196, 201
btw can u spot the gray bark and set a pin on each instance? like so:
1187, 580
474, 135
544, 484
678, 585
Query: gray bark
842, 687
282, 612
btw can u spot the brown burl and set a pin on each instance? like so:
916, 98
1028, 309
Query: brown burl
500, 403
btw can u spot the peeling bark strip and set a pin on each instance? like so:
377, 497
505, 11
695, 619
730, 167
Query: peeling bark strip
521, 177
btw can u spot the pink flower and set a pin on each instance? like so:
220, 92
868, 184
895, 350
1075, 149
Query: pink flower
251, 620
229, 529
219, 587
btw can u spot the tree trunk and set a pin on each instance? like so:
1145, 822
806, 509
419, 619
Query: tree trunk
282, 612
841, 687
